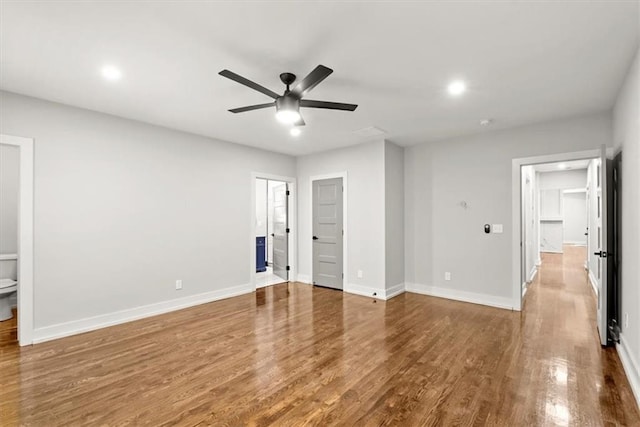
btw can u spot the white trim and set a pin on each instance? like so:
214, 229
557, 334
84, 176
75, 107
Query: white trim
525, 288
394, 291
453, 294
8, 257
110, 319
304, 278
365, 291
516, 214
631, 367
25, 237
532, 273
594, 282
292, 243
345, 220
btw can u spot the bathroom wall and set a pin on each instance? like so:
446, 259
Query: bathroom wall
9, 185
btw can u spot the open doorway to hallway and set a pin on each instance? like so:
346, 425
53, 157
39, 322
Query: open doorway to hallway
568, 226
556, 213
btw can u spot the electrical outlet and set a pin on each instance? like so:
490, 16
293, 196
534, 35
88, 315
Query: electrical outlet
359, 274
626, 320
447, 276
178, 284
497, 228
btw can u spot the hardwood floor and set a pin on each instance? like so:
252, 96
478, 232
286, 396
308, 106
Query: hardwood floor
9, 330
292, 354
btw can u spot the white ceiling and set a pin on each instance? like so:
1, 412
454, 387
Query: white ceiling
524, 62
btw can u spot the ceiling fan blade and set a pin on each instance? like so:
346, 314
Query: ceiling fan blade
308, 103
255, 86
252, 107
300, 122
312, 80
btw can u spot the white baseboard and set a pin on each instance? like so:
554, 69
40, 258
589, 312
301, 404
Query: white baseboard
457, 295
365, 291
538, 262
532, 274
74, 327
631, 367
304, 278
394, 291
594, 282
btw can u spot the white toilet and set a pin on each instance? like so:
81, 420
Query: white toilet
7, 288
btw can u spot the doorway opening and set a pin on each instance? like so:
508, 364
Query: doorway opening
16, 240
273, 222
565, 231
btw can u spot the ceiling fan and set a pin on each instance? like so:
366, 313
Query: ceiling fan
288, 104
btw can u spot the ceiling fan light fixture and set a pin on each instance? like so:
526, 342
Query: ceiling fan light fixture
287, 110
287, 116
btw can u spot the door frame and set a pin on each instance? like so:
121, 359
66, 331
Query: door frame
25, 236
345, 227
292, 247
517, 264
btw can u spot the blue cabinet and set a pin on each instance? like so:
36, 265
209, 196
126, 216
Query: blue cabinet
260, 254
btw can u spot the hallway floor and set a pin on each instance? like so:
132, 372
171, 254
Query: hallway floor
293, 354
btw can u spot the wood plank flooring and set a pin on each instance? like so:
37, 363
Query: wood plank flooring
292, 355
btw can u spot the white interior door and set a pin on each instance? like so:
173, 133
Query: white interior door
327, 233
280, 232
605, 249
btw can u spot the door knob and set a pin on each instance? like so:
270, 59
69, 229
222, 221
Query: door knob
315, 237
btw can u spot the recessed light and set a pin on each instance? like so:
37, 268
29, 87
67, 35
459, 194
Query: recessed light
295, 131
457, 88
562, 166
486, 122
112, 73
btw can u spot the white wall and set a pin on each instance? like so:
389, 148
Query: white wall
443, 235
123, 209
626, 136
394, 214
9, 185
571, 209
261, 207
365, 220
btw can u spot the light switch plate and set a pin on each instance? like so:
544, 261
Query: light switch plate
497, 228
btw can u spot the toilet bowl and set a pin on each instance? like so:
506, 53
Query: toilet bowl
7, 287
